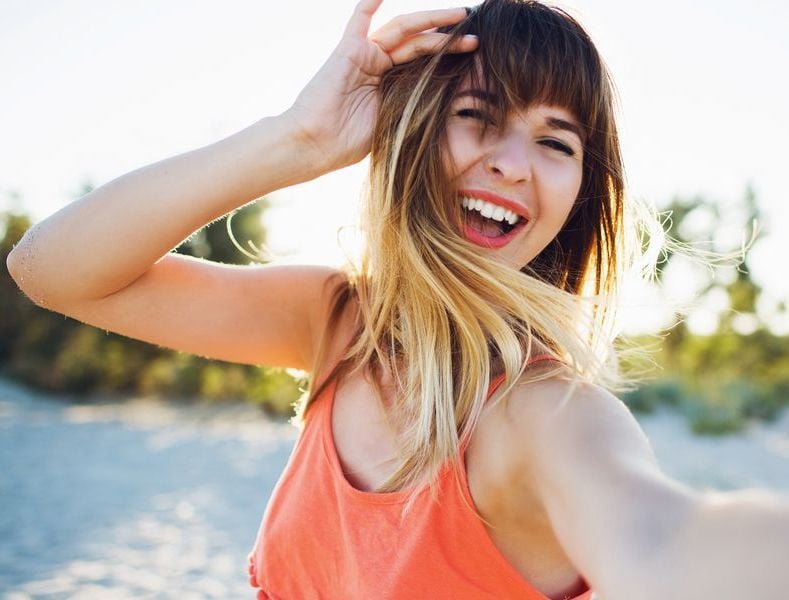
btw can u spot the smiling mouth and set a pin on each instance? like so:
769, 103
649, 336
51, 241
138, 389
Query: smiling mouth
490, 225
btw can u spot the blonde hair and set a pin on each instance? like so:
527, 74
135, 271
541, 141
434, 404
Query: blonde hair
434, 311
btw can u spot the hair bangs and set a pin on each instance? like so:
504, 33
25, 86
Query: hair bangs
531, 53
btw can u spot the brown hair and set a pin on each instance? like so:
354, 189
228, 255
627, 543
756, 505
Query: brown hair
531, 53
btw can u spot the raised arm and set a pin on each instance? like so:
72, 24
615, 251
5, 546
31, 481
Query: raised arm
632, 531
105, 258
104, 241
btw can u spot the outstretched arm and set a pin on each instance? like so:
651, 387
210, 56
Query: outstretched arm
107, 239
736, 546
632, 531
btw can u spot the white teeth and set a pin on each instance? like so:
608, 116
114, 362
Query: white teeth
490, 210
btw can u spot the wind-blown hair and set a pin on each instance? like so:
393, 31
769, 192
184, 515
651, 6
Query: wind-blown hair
432, 309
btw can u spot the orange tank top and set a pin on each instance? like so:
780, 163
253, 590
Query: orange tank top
321, 538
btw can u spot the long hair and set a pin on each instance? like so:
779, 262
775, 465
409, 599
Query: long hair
432, 309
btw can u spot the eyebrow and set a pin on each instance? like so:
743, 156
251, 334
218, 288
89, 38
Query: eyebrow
563, 124
552, 122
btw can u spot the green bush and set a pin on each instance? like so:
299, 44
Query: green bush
276, 391
715, 415
646, 398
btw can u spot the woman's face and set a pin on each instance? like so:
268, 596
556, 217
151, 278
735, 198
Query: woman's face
518, 180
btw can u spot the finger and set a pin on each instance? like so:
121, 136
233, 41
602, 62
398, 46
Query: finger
399, 29
431, 43
359, 23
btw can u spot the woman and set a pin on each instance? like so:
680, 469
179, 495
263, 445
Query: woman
458, 440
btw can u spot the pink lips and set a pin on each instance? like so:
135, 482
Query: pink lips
495, 242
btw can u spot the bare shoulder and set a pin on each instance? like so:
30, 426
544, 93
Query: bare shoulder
594, 472
580, 414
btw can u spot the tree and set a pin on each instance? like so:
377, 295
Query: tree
15, 309
741, 370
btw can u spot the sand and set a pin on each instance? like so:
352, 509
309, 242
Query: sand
151, 499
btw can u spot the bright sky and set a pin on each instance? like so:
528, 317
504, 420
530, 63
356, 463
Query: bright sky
94, 89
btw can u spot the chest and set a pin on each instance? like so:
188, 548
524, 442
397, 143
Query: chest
517, 523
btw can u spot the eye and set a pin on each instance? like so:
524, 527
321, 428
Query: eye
561, 147
475, 113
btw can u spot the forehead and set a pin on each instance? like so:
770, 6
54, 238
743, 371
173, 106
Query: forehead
555, 116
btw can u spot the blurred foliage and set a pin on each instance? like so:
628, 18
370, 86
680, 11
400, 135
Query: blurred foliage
720, 381
49, 351
736, 374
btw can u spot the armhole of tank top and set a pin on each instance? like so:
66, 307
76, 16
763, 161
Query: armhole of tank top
332, 360
323, 374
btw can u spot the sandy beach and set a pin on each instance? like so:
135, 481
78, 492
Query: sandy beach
152, 499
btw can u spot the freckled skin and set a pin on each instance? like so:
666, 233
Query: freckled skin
517, 160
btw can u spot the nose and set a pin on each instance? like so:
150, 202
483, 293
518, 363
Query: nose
509, 160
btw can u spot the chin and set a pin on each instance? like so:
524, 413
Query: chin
512, 262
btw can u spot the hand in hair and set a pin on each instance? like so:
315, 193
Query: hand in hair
336, 111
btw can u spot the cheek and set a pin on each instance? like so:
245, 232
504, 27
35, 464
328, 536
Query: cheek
460, 151
566, 185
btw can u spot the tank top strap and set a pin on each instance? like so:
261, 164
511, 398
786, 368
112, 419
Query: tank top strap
539, 357
496, 381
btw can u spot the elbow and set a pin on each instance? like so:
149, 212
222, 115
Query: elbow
18, 265
15, 266
12, 265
